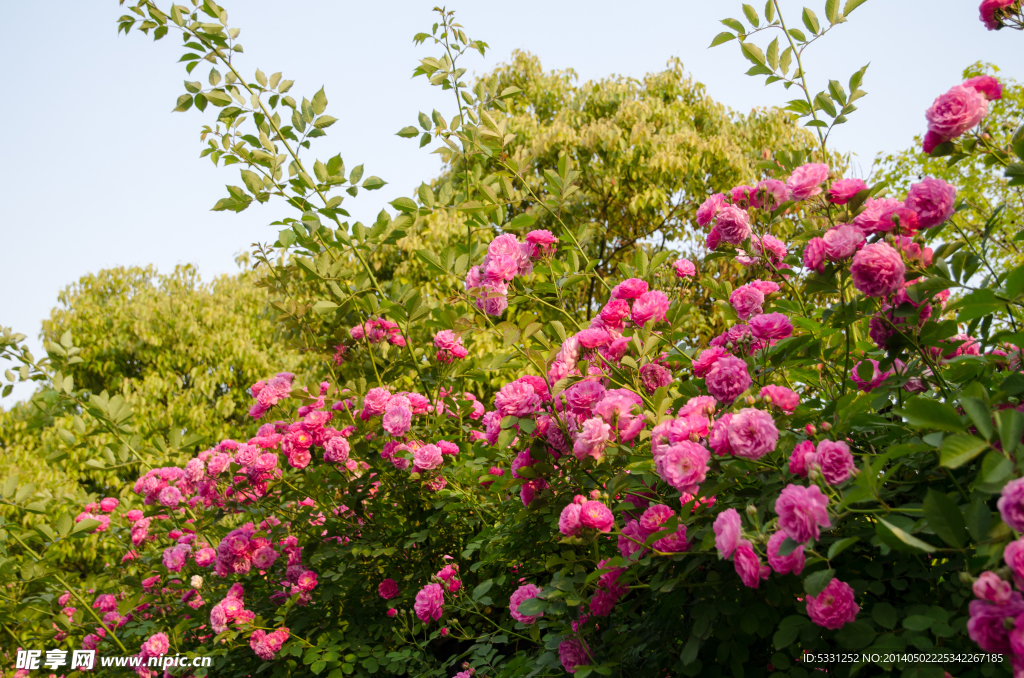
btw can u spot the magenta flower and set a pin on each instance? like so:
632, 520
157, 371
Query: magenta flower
1011, 504
877, 376
802, 512
747, 301
781, 397
1013, 554
428, 457
769, 194
727, 529
932, 200
843, 190
802, 458
569, 521
709, 208
814, 255
706, 360
986, 85
806, 180
631, 288
748, 565
597, 516
684, 268
517, 399
524, 592
770, 326
653, 376
752, 433
429, 603
843, 241
877, 270
728, 378
834, 607
683, 465
650, 306
156, 645
732, 225
990, 587
793, 563
956, 111
592, 440
572, 653
835, 461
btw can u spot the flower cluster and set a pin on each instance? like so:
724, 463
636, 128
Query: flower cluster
506, 258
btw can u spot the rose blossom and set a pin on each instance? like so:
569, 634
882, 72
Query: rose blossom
956, 111
428, 457
843, 241
592, 440
569, 521
780, 396
770, 326
990, 587
388, 589
727, 532
794, 562
706, 360
932, 199
595, 515
650, 306
709, 208
988, 10
986, 85
748, 565
719, 438
516, 399
631, 288
844, 190
752, 433
870, 220
877, 376
728, 378
572, 653
683, 465
835, 461
524, 592
877, 270
429, 603
834, 607
769, 194
806, 180
747, 301
732, 224
684, 268
653, 376
814, 255
1011, 504
802, 511
801, 459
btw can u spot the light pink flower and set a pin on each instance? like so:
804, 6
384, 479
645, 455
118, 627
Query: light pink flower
592, 440
727, 529
780, 396
752, 433
834, 607
956, 111
989, 87
597, 516
843, 241
769, 194
872, 218
835, 461
802, 512
569, 521
747, 301
631, 288
706, 360
429, 603
932, 199
683, 465
397, 418
806, 180
156, 645
794, 562
428, 457
877, 270
684, 268
748, 565
719, 438
844, 190
524, 592
1011, 504
732, 224
728, 378
542, 241
517, 399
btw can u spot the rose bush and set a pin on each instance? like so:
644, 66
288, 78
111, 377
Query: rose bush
599, 491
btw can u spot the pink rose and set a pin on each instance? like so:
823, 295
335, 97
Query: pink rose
592, 440
631, 534
732, 224
956, 111
834, 607
428, 457
877, 270
991, 13
748, 565
374, 403
388, 589
727, 529
741, 196
844, 190
770, 326
843, 241
650, 306
806, 180
752, 433
631, 288
569, 521
794, 562
990, 587
814, 255
932, 200
781, 397
429, 603
719, 438
802, 511
835, 461
769, 194
747, 301
684, 268
524, 592
683, 465
108, 504
873, 218
1011, 504
713, 240
801, 459
653, 376
709, 208
572, 653
597, 516
517, 399
397, 417
877, 376
728, 378
986, 85
706, 360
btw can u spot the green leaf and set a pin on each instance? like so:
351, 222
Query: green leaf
532, 606
10, 485
751, 15
918, 622
832, 11
885, 615
772, 55
928, 413
841, 546
856, 635
184, 103
811, 21
977, 410
323, 307
84, 527
64, 524
373, 183
945, 519
1017, 142
979, 520
408, 132
1011, 427
852, 5
909, 540
959, 449
218, 97
319, 102
480, 590
724, 36
752, 52
735, 25
404, 204
816, 583
424, 121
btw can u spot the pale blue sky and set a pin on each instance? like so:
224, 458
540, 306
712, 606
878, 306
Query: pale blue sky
100, 173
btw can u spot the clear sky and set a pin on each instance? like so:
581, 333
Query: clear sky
100, 173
